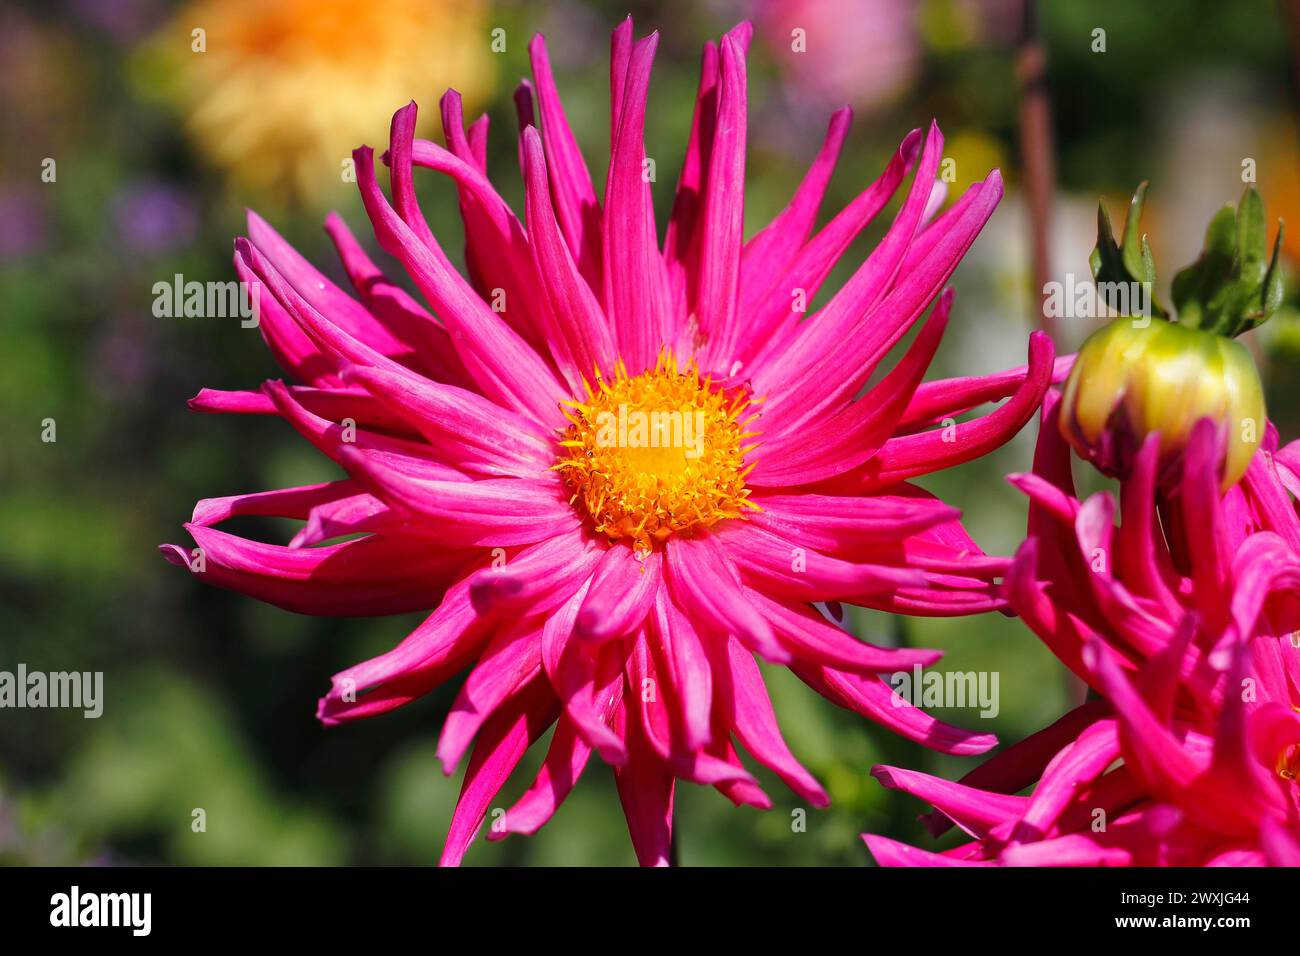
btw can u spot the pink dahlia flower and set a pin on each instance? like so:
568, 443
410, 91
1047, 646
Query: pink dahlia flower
1185, 623
587, 569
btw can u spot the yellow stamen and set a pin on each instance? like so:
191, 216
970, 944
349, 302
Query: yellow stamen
1288, 763
657, 454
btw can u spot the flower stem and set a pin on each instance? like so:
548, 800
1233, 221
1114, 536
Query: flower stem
1037, 153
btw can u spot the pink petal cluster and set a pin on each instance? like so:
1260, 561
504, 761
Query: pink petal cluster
445, 416
1184, 621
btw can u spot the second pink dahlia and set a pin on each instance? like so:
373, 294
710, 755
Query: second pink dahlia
1184, 620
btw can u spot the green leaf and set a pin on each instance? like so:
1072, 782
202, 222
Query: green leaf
1194, 286
1252, 236
1135, 251
1131, 262
1273, 286
1235, 284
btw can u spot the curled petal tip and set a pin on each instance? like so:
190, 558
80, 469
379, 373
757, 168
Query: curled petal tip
884, 774
175, 554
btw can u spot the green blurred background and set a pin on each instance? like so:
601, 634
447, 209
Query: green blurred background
210, 696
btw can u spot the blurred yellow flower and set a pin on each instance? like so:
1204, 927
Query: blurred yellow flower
972, 153
278, 92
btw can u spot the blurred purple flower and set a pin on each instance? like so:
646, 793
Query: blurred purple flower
123, 20
152, 217
24, 223
123, 358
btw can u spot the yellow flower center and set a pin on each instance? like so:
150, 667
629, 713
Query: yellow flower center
657, 454
1288, 763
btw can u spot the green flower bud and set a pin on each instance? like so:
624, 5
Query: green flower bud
1138, 376
1132, 379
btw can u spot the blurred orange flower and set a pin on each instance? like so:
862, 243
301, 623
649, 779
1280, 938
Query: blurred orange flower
278, 92
1279, 183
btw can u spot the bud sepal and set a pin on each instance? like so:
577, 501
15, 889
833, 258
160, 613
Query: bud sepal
1159, 374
